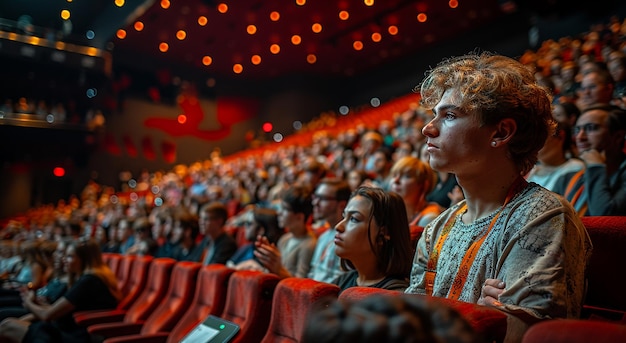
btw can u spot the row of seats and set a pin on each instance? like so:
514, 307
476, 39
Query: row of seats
271, 311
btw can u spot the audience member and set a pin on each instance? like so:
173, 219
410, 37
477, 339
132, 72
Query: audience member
600, 188
413, 179
291, 256
257, 222
497, 247
553, 161
596, 87
329, 201
183, 244
92, 287
372, 241
217, 246
143, 242
409, 319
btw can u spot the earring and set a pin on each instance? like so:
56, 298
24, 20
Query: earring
494, 143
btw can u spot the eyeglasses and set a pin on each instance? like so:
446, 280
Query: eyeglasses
323, 197
587, 128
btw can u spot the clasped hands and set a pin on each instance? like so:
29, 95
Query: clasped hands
490, 293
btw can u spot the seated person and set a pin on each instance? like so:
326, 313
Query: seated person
291, 256
387, 319
373, 241
51, 292
217, 246
510, 244
184, 235
92, 286
257, 222
600, 188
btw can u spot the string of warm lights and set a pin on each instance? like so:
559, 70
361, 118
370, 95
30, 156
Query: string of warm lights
381, 30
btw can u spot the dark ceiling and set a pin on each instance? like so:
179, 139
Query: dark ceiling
225, 40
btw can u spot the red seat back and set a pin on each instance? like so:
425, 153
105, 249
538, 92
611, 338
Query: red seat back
293, 300
154, 291
137, 280
605, 283
210, 298
113, 260
249, 304
179, 295
123, 272
575, 331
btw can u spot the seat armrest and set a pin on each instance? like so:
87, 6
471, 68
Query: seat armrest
88, 318
108, 330
159, 337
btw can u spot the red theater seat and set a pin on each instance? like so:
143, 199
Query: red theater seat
137, 280
575, 331
124, 271
605, 289
293, 300
210, 298
486, 321
170, 309
113, 260
153, 292
249, 304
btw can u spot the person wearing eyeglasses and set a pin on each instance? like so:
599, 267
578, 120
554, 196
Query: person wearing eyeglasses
600, 188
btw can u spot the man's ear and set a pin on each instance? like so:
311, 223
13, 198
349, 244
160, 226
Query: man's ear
504, 131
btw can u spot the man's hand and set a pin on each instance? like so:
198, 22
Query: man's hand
490, 293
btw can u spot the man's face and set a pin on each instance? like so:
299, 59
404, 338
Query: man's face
591, 131
324, 202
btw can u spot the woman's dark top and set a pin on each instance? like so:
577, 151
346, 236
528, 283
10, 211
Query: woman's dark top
347, 280
88, 293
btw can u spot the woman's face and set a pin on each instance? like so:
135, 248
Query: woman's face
72, 262
405, 183
353, 237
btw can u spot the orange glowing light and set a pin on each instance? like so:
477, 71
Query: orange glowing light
317, 27
119, 3
296, 40
376, 37
344, 15
453, 4
393, 30
165, 4
181, 34
182, 118
251, 29
121, 34
65, 14
274, 16
237, 68
256, 59
207, 60
311, 58
138, 26
163, 47
222, 8
422, 17
274, 49
368, 2
202, 20
300, 2
357, 45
